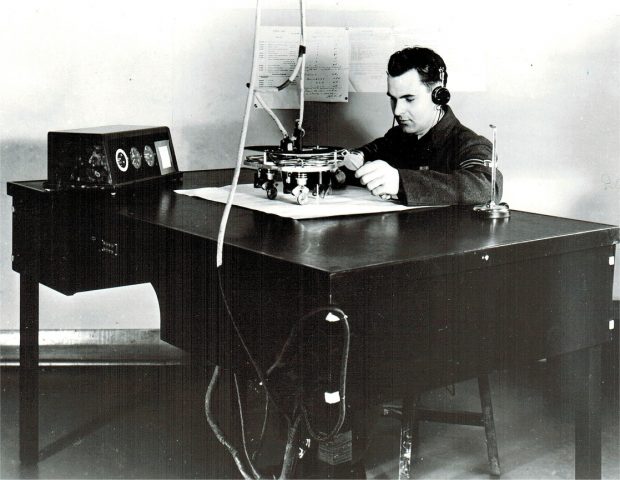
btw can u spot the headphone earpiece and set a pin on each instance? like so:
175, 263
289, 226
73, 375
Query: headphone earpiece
441, 95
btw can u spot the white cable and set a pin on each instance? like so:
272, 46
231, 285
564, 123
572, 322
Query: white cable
244, 131
302, 91
242, 422
289, 449
218, 431
302, 79
297, 66
288, 81
271, 114
302, 14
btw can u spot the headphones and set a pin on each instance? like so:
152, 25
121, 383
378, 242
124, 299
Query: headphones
441, 95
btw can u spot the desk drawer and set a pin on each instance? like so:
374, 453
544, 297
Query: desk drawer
75, 241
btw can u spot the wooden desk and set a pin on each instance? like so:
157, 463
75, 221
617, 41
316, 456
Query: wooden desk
433, 296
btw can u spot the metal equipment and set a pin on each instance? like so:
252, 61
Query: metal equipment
304, 172
108, 157
492, 209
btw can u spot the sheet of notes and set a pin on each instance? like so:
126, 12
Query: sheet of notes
327, 64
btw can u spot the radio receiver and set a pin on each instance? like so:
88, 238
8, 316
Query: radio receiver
108, 157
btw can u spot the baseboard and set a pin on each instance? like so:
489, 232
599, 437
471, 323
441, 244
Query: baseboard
93, 347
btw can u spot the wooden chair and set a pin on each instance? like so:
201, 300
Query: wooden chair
411, 415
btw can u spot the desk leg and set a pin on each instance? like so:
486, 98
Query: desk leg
28, 370
588, 413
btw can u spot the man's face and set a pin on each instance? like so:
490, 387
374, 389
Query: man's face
411, 102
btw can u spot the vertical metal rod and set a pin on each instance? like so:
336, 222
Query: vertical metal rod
493, 165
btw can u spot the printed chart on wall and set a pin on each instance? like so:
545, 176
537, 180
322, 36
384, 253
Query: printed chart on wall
327, 64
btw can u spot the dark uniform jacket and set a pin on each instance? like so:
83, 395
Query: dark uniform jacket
444, 167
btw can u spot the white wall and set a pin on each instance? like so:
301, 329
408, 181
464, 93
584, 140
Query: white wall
552, 90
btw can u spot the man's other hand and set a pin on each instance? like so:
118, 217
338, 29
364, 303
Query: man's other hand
379, 177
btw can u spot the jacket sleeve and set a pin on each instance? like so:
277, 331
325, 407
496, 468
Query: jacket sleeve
467, 181
467, 186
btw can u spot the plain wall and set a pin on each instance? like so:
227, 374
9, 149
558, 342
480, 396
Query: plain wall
552, 72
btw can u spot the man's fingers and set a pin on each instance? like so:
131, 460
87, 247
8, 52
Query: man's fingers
371, 176
366, 169
378, 177
375, 183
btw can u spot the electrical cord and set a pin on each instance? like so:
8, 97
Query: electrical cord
219, 434
302, 78
263, 429
263, 379
292, 426
342, 386
244, 131
246, 349
252, 93
343, 371
271, 113
269, 395
289, 452
242, 422
300, 55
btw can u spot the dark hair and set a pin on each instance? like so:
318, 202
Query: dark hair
424, 60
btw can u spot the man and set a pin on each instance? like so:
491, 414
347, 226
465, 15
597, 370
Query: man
430, 158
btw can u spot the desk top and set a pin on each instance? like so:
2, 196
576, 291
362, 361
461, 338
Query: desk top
341, 244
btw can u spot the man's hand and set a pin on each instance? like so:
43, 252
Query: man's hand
379, 177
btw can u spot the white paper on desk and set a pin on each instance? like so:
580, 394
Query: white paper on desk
349, 201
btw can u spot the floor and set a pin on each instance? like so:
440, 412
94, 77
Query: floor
148, 422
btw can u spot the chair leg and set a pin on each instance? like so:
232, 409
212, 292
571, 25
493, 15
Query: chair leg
489, 424
409, 432
415, 434
408, 438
